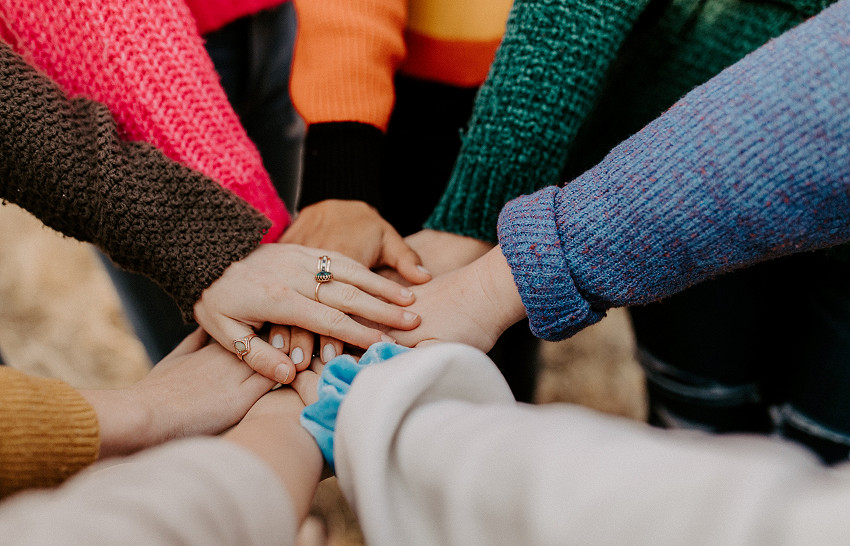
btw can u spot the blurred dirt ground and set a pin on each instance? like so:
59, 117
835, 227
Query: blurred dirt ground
60, 317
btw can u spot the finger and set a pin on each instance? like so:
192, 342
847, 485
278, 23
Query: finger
279, 337
356, 274
329, 348
190, 343
316, 366
353, 301
263, 358
306, 385
301, 341
405, 260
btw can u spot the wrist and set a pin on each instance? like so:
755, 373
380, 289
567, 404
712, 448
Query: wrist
502, 295
124, 421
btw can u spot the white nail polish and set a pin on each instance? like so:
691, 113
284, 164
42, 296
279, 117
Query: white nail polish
422, 269
387, 338
281, 373
328, 352
409, 317
297, 356
277, 341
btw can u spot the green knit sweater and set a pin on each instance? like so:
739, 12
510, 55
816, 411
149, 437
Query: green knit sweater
574, 77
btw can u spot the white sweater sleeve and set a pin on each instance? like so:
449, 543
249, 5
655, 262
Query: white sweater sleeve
196, 491
432, 449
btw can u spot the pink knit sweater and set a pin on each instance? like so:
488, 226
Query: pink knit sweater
145, 59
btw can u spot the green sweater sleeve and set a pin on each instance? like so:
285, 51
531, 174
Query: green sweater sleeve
543, 83
62, 160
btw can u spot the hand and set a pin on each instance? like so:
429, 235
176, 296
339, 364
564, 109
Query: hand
472, 305
276, 283
273, 432
196, 389
356, 230
442, 251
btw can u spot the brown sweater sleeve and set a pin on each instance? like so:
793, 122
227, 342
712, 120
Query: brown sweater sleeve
62, 160
48, 431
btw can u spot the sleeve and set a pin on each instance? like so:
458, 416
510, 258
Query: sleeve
750, 166
146, 61
543, 83
194, 491
63, 161
346, 56
447, 457
48, 432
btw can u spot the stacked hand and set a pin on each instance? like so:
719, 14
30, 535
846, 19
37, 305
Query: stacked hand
277, 284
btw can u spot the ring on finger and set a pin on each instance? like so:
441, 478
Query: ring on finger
242, 346
324, 271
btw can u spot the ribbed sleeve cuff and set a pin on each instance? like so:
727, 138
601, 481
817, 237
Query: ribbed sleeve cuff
48, 430
342, 160
469, 207
528, 235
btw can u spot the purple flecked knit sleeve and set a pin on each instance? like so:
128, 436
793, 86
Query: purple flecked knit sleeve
753, 165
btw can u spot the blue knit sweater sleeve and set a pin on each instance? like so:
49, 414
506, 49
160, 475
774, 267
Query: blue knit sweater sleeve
753, 165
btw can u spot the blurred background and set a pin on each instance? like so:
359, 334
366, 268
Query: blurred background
60, 317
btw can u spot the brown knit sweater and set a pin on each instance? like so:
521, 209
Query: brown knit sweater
62, 160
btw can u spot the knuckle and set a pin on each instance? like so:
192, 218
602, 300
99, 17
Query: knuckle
335, 319
348, 295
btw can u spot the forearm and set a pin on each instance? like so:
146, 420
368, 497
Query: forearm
345, 59
162, 89
63, 161
748, 167
520, 474
542, 84
48, 432
197, 491
285, 446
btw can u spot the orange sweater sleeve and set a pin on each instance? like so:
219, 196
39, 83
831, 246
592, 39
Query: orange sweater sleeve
346, 54
48, 431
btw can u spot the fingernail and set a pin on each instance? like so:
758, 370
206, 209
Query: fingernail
387, 338
328, 352
405, 293
297, 356
422, 269
277, 341
410, 317
281, 373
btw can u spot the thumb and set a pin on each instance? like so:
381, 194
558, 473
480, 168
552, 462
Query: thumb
397, 255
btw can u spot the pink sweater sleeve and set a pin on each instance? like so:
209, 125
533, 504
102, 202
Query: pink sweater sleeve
146, 61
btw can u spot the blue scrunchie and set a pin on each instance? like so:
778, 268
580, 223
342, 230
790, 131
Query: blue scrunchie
319, 418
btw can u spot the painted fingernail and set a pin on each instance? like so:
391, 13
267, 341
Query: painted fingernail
387, 338
297, 356
423, 270
328, 352
277, 341
410, 317
281, 373
405, 293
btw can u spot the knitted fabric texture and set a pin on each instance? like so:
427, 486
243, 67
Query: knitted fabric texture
213, 14
345, 58
63, 161
559, 59
48, 432
146, 61
753, 165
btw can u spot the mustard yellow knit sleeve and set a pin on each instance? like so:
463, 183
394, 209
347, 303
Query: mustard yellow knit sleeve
48, 431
